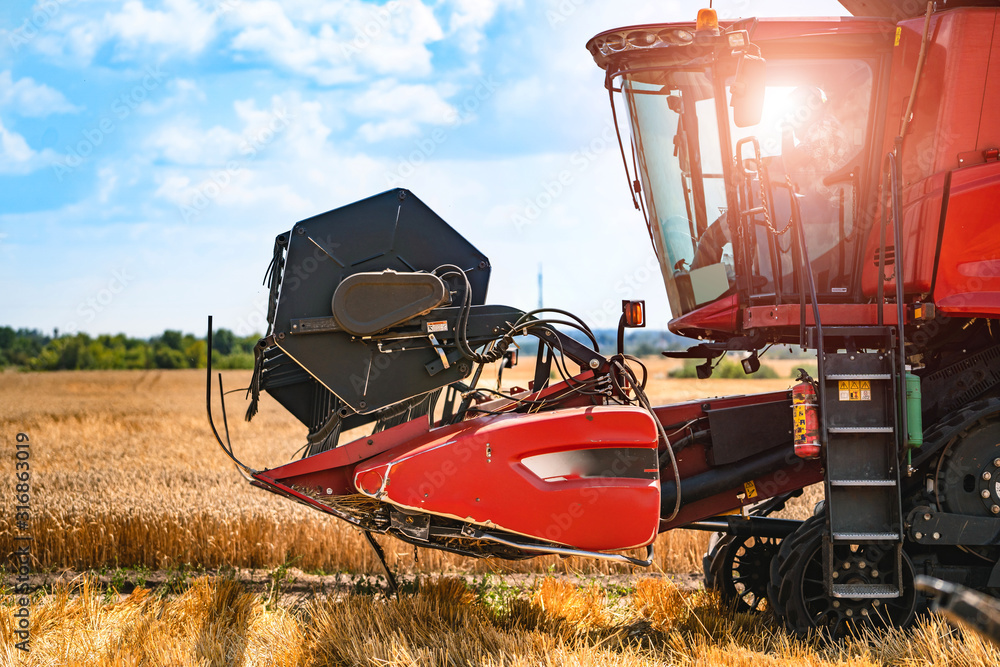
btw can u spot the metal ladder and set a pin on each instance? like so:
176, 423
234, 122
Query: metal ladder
863, 471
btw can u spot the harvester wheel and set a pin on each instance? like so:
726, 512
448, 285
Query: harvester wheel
806, 531
805, 605
716, 543
740, 570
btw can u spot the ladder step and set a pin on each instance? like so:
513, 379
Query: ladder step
859, 376
865, 591
866, 537
860, 429
862, 482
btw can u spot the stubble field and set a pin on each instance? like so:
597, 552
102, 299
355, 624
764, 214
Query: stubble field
128, 484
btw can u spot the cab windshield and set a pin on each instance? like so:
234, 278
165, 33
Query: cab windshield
811, 137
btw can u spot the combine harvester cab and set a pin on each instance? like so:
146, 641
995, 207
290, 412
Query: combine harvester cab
817, 182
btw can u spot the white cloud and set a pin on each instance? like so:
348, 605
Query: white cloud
17, 157
108, 180
179, 27
182, 142
182, 25
334, 43
468, 20
28, 98
70, 39
388, 129
398, 110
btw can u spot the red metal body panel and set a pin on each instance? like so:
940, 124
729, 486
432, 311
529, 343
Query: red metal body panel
921, 216
718, 316
832, 314
332, 473
478, 474
951, 124
968, 278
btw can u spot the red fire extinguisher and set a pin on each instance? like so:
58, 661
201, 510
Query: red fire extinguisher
805, 418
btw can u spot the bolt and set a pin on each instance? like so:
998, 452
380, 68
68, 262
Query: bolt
874, 573
876, 603
371, 442
862, 565
850, 612
919, 536
985, 493
836, 604
987, 476
995, 509
927, 517
864, 612
594, 363
847, 566
835, 575
477, 500
300, 230
425, 495
937, 536
996, 463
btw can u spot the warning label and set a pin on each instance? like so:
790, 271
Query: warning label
750, 488
855, 390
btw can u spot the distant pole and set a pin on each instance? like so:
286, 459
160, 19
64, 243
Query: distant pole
539, 284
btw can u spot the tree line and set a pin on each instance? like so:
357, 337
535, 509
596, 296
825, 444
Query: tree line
31, 349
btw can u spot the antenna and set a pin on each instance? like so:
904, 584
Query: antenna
540, 285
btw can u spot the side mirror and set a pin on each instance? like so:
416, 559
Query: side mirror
747, 92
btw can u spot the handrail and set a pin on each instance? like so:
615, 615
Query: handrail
807, 269
891, 172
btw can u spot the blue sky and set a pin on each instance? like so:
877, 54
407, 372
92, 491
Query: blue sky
150, 151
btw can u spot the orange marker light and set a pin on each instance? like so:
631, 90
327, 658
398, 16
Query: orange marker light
634, 313
707, 20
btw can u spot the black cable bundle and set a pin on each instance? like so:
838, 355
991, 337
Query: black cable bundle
253, 391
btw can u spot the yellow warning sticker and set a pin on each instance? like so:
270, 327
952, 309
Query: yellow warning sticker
899, 31
855, 390
750, 489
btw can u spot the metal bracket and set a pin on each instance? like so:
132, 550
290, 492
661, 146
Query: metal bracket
440, 350
927, 527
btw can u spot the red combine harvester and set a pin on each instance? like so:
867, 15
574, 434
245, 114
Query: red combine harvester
827, 183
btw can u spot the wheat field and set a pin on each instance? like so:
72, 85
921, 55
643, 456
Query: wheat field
125, 472
446, 622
